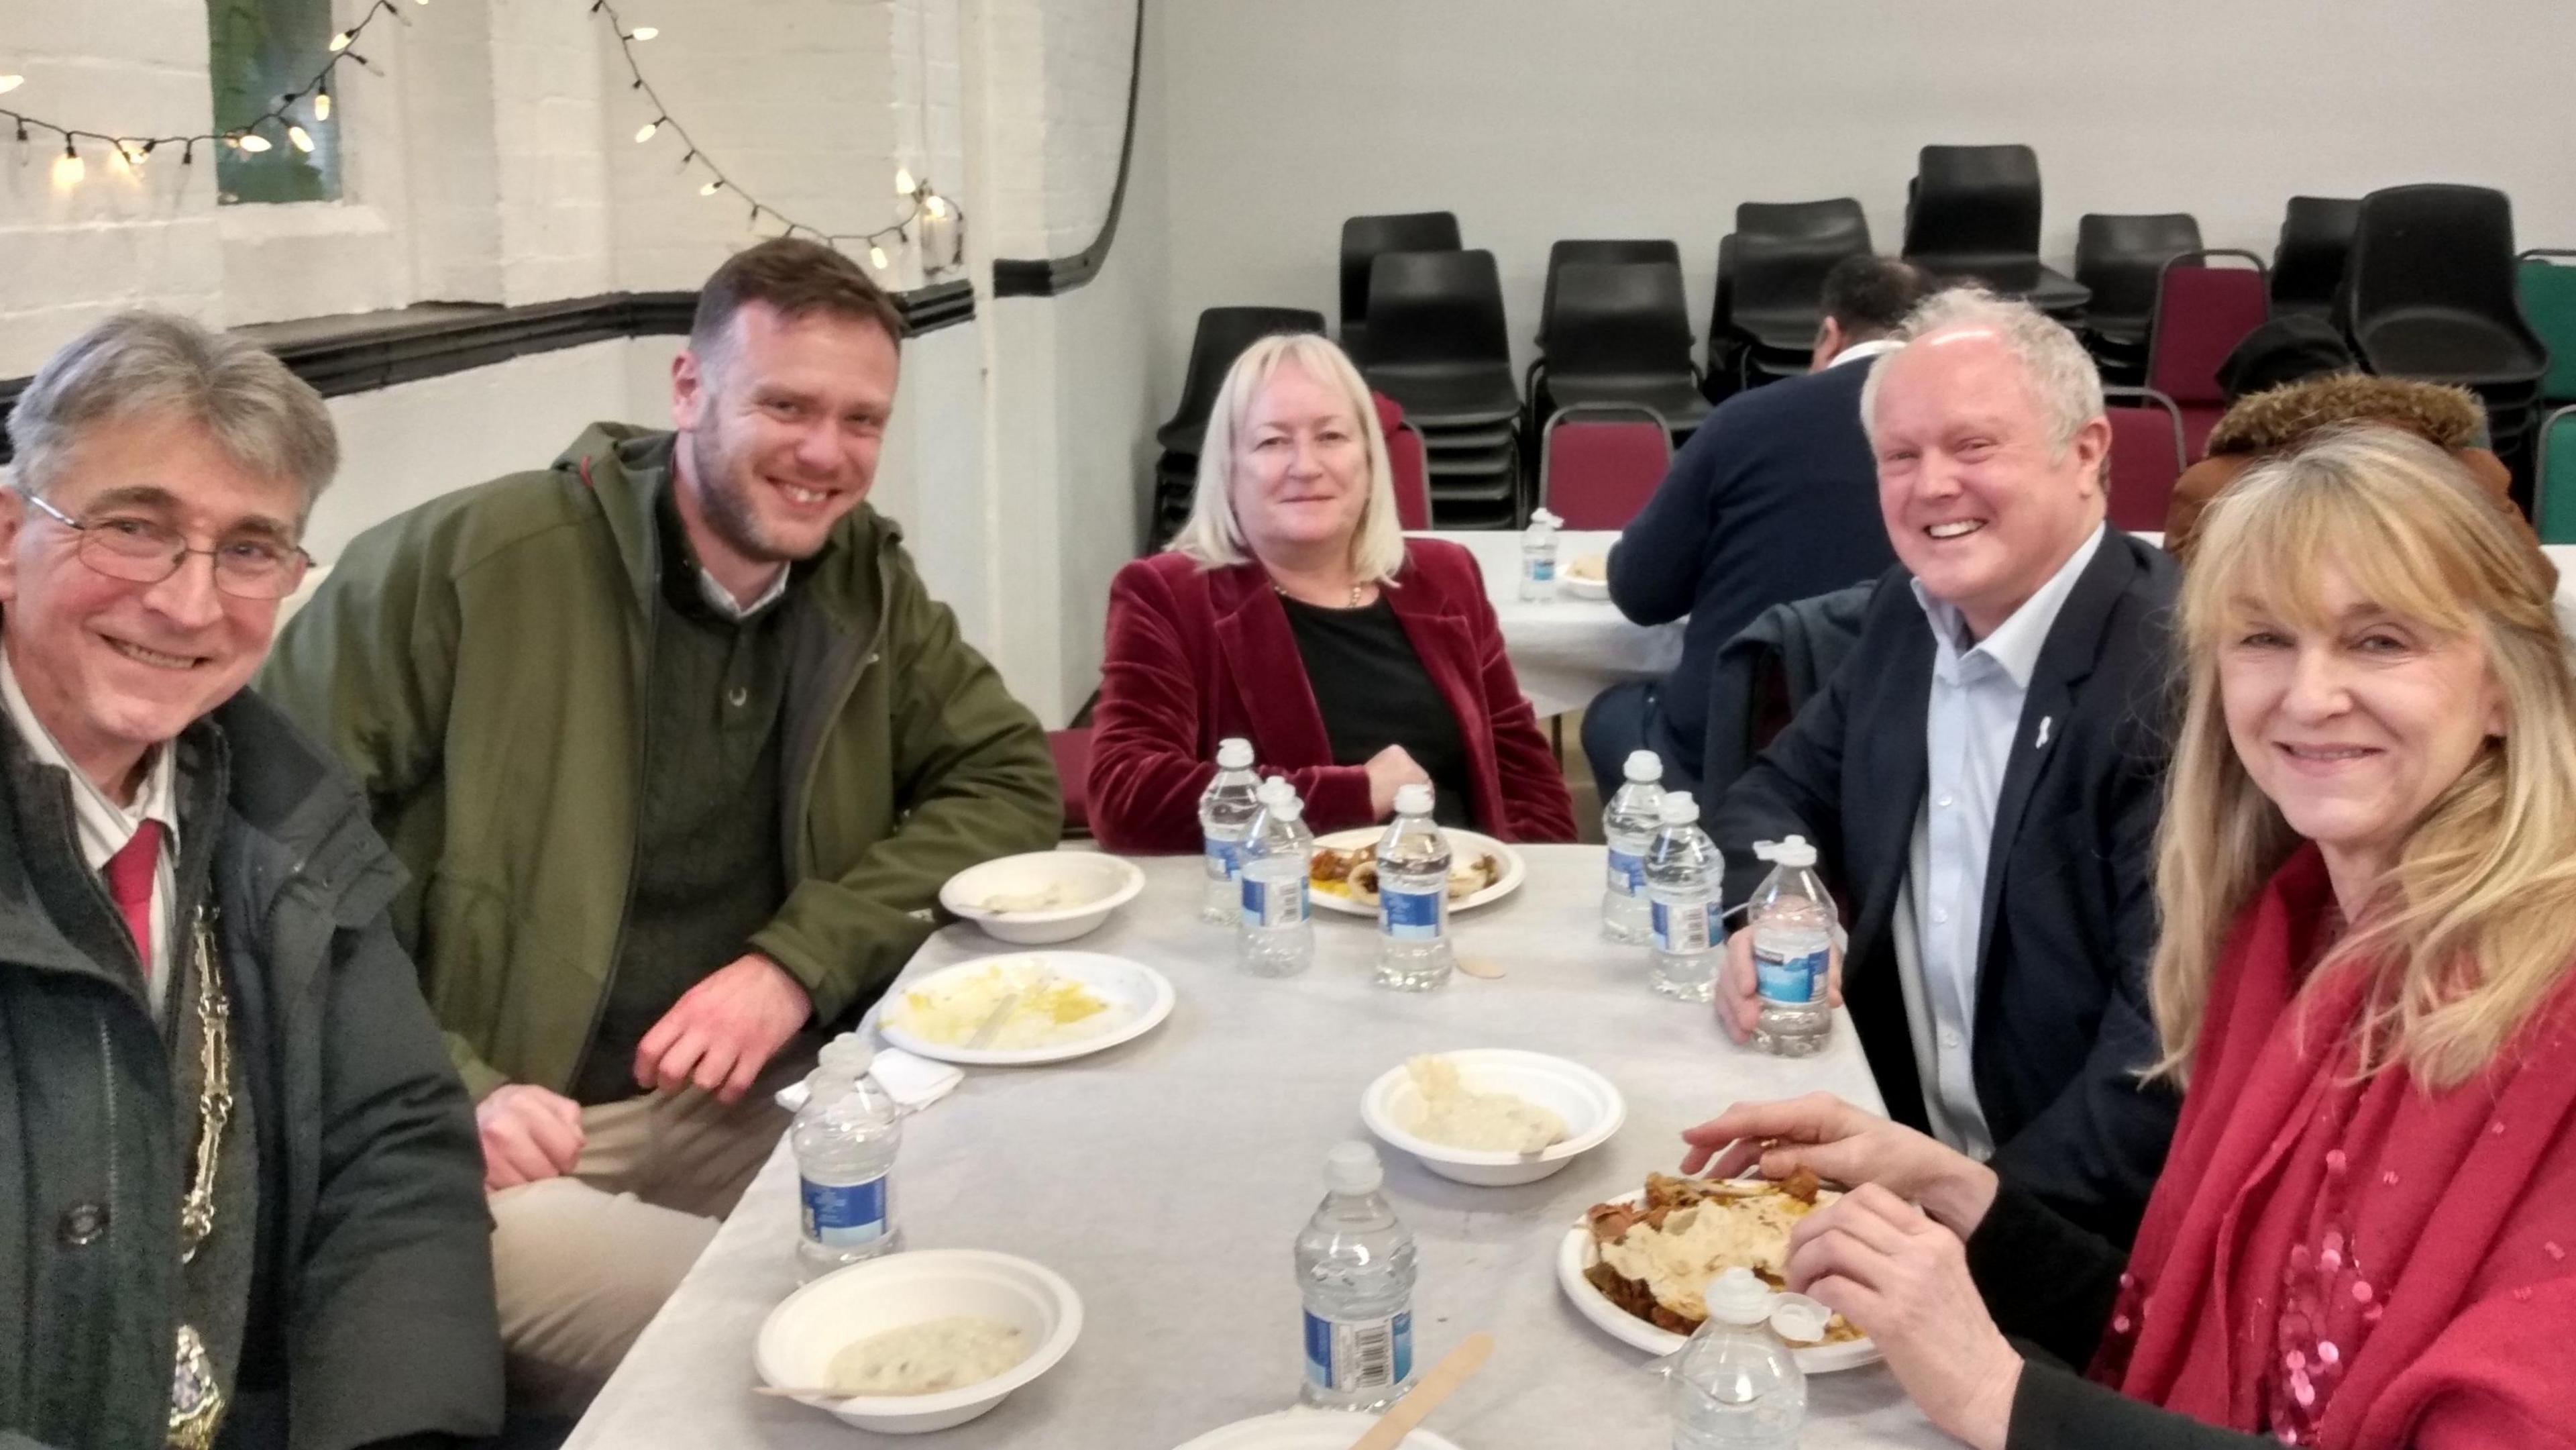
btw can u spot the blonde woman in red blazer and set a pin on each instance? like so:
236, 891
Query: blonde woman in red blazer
1293, 556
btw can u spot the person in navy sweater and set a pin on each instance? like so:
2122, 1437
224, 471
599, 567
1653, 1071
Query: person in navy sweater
1774, 498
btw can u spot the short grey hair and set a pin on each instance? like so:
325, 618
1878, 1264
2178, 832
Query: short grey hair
266, 420
2063, 380
1213, 536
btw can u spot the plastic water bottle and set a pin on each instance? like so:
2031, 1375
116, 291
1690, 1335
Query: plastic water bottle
1628, 823
1538, 557
1682, 874
1792, 923
1226, 809
1737, 1386
845, 1139
1355, 1269
1413, 897
1276, 937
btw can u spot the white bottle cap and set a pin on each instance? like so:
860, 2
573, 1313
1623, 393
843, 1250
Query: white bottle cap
1736, 1297
1644, 766
1543, 517
1793, 853
1274, 787
1286, 807
1413, 800
1352, 1167
848, 1054
1234, 753
1679, 809
823, 1085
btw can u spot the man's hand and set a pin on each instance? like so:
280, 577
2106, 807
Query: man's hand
528, 1133
1739, 999
724, 1030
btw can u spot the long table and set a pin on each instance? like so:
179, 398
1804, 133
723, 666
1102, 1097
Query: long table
1167, 1179
1565, 650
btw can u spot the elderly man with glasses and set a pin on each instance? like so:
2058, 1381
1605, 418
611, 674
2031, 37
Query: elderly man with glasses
242, 1192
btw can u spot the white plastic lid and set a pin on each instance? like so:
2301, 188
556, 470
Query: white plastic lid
1793, 853
1412, 800
1234, 753
1274, 787
1286, 807
1550, 520
1644, 766
1352, 1167
1679, 809
823, 1085
848, 1054
1795, 1316
1737, 1297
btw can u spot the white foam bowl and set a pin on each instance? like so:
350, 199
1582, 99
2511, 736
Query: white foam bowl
1103, 883
1304, 1429
1591, 1107
800, 1337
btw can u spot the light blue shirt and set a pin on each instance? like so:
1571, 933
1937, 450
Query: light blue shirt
1971, 724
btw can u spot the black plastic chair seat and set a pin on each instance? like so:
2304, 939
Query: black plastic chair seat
1364, 238
2446, 346
1476, 464
1435, 395
1677, 399
1475, 435
2048, 289
2120, 258
1222, 335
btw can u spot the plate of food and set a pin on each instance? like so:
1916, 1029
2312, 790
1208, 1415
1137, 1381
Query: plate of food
1025, 1008
1587, 577
1042, 897
1637, 1265
918, 1341
1493, 1116
1344, 875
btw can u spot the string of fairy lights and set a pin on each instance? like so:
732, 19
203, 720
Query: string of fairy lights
288, 122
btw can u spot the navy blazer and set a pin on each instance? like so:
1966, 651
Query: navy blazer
2062, 1024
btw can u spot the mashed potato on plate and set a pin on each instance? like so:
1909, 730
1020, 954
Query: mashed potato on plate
927, 1358
1455, 1116
1051, 1009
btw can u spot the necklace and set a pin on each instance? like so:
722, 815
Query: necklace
196, 1395
1359, 592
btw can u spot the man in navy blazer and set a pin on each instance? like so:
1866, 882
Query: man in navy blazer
1981, 776
1771, 500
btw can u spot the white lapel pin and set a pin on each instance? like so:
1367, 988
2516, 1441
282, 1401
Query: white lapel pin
2042, 741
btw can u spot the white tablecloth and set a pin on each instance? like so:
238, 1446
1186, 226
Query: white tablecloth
1565, 650
1168, 1178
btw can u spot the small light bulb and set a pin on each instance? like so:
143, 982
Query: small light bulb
322, 106
936, 206
711, 188
302, 138
903, 181
69, 168
11, 83
251, 143
878, 259
340, 42
645, 132
644, 32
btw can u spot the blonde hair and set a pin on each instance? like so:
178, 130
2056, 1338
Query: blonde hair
2474, 925
1213, 536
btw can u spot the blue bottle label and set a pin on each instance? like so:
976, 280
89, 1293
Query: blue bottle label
1410, 915
844, 1215
1791, 981
1359, 1354
1224, 858
1543, 570
1267, 904
1628, 873
1681, 927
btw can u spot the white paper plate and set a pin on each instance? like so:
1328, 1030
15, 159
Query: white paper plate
1305, 1430
1461, 843
1578, 1253
1138, 998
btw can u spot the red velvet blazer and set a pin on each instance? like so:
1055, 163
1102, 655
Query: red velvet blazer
1196, 655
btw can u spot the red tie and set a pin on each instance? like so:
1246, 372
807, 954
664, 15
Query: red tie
129, 880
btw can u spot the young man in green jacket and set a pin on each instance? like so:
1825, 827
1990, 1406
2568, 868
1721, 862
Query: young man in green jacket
678, 751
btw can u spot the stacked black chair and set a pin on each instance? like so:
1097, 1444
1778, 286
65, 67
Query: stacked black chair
1364, 239
1770, 286
1561, 255
2432, 295
1438, 345
2118, 259
2308, 263
1619, 333
1223, 334
1972, 214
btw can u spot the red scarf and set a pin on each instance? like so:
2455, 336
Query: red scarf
2360, 1266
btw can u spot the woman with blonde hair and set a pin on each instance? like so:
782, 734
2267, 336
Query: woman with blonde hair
2367, 881
1293, 611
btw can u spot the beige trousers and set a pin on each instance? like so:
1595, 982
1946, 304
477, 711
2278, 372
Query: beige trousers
583, 1261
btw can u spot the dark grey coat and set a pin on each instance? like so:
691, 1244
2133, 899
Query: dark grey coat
352, 1226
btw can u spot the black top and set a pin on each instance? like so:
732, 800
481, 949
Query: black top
1373, 692
2050, 1286
710, 862
2061, 1025
1774, 498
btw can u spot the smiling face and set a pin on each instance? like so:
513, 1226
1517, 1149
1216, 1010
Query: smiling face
781, 432
2355, 723
1978, 503
1300, 477
113, 667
